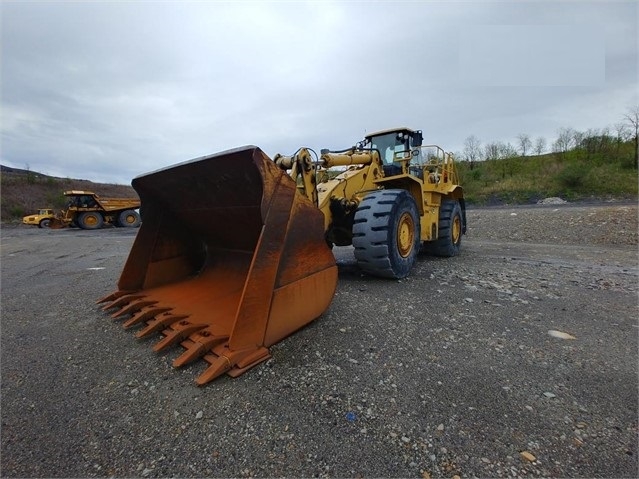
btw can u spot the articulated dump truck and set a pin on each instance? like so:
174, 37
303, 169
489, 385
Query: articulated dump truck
234, 252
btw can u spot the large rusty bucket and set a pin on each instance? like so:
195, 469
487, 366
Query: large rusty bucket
229, 260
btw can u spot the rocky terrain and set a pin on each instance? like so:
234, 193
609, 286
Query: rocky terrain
578, 224
517, 358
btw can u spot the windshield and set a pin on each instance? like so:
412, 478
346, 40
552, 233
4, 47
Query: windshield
388, 145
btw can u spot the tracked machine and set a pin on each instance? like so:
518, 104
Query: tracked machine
234, 252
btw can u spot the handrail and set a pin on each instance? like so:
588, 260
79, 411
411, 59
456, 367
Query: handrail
439, 163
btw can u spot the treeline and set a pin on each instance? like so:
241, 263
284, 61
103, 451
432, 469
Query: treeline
606, 141
593, 164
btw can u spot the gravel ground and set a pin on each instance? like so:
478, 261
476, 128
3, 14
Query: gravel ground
557, 224
450, 372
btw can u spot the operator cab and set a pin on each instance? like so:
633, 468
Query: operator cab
79, 200
395, 147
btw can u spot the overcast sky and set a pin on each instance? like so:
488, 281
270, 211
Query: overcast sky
107, 91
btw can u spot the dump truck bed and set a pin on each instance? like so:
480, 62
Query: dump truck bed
115, 204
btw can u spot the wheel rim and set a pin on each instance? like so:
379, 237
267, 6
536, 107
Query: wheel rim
405, 235
91, 220
456, 229
130, 219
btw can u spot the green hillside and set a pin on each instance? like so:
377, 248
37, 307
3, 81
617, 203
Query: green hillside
23, 192
603, 171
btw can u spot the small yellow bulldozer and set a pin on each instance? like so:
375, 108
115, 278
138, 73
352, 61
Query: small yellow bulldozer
234, 252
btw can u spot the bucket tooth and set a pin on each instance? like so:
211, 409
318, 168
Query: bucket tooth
133, 307
218, 366
179, 332
223, 360
200, 344
121, 301
160, 323
112, 296
145, 313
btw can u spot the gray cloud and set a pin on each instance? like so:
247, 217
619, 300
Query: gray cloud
107, 91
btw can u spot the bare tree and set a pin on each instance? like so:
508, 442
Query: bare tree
632, 119
578, 138
492, 151
524, 143
507, 150
540, 145
621, 133
591, 141
606, 140
564, 140
472, 150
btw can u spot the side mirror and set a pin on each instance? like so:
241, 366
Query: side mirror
417, 138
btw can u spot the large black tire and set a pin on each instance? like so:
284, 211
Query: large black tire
45, 223
129, 218
90, 220
451, 228
386, 233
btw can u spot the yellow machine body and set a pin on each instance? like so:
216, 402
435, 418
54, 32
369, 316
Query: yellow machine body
41, 219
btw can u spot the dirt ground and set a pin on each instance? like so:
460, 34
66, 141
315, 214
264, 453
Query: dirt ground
517, 358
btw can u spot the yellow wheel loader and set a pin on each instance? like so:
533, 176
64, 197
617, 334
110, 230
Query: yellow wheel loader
234, 252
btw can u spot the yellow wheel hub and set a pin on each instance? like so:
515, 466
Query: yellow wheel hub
456, 229
405, 235
91, 220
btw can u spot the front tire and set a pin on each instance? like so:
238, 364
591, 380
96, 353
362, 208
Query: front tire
386, 233
90, 220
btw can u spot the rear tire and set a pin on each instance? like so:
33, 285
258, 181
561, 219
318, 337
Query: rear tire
129, 218
451, 227
90, 220
386, 233
45, 223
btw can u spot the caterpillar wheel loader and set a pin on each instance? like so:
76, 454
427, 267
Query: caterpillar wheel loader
234, 252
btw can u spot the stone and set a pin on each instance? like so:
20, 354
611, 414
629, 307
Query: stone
528, 456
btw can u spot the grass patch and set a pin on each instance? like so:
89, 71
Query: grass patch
573, 175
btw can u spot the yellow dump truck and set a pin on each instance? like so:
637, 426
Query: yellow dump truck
235, 250
41, 219
88, 211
